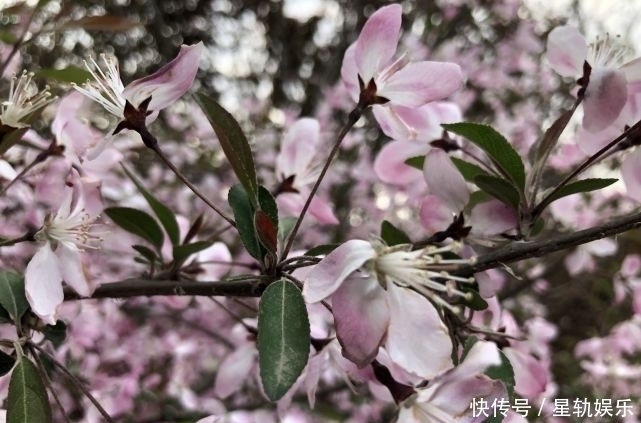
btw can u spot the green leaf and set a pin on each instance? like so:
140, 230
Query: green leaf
321, 250
283, 337
12, 296
56, 333
6, 363
68, 74
392, 235
476, 302
234, 144
266, 219
498, 188
584, 185
182, 252
417, 162
163, 213
138, 223
244, 217
27, 400
505, 373
502, 154
285, 226
468, 170
146, 252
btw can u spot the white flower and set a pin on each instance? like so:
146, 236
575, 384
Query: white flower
24, 99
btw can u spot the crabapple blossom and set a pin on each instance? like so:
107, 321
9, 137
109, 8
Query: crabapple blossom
609, 81
24, 99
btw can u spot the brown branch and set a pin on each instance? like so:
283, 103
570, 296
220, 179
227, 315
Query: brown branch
517, 251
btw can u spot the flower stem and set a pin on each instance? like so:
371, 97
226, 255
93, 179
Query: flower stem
28, 237
351, 120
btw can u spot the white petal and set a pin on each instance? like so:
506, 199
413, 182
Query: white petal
71, 269
43, 284
566, 51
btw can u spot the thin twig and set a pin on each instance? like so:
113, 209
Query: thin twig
47, 381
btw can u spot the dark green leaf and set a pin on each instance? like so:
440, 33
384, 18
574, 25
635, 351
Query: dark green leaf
502, 154
234, 144
469, 170
417, 162
505, 373
285, 226
244, 217
56, 333
392, 235
6, 363
138, 223
283, 337
552, 135
149, 254
12, 137
12, 296
584, 185
4, 316
68, 74
27, 400
321, 250
268, 204
498, 188
476, 302
182, 252
163, 213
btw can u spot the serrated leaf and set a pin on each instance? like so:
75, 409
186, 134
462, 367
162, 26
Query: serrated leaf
500, 151
321, 250
182, 252
244, 217
68, 74
27, 400
56, 333
163, 213
234, 144
505, 373
417, 162
583, 185
138, 223
102, 23
392, 235
283, 337
468, 170
146, 252
498, 188
6, 363
12, 296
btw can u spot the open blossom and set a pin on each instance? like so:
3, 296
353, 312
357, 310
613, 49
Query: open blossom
164, 86
369, 68
24, 99
62, 238
376, 305
610, 79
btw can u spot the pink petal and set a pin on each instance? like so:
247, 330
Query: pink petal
421, 82
492, 217
361, 317
291, 204
377, 41
390, 165
530, 375
435, 215
43, 284
605, 96
631, 174
632, 70
417, 339
445, 181
71, 269
168, 83
219, 253
409, 123
591, 142
566, 51
349, 73
234, 370
329, 274
322, 212
298, 148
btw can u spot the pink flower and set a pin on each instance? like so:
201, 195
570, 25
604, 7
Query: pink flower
164, 86
297, 172
609, 79
62, 237
386, 302
369, 68
448, 397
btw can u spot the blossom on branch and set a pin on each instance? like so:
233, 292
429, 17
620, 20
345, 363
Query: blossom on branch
24, 99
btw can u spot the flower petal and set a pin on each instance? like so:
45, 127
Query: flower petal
492, 217
445, 181
631, 174
234, 370
567, 50
298, 148
329, 274
168, 83
421, 82
605, 96
435, 215
70, 264
390, 165
349, 73
361, 317
322, 211
417, 339
378, 40
43, 284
